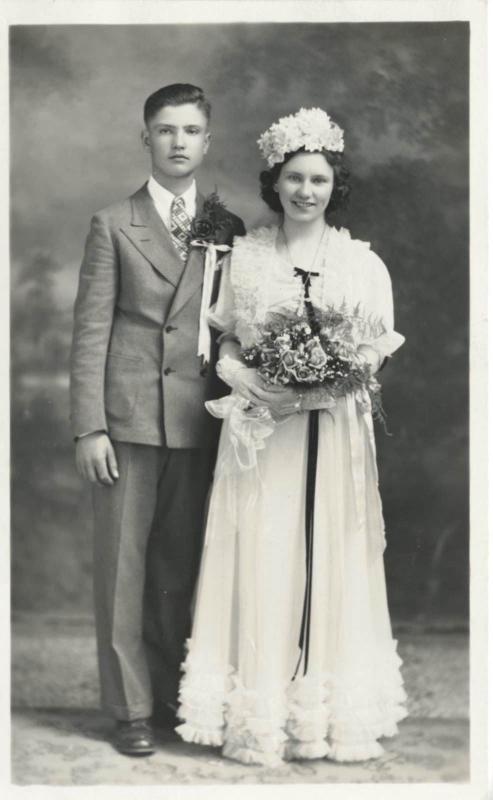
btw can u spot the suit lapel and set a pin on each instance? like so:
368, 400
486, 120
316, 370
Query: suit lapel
193, 274
149, 235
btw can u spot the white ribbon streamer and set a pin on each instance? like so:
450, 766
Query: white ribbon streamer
243, 434
210, 262
360, 401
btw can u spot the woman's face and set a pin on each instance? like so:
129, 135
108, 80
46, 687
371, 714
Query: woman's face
305, 185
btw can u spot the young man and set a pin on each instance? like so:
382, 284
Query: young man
139, 380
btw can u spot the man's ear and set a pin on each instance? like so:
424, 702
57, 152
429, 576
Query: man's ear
144, 137
276, 188
207, 141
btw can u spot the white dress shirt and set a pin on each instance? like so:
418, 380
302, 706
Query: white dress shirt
163, 199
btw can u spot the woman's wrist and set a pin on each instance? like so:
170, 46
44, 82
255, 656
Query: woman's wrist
230, 368
230, 347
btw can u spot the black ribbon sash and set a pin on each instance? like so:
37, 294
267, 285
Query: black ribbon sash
311, 478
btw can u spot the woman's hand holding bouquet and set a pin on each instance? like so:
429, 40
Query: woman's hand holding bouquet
310, 364
249, 384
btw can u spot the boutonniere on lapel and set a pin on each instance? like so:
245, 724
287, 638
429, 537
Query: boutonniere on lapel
213, 224
209, 230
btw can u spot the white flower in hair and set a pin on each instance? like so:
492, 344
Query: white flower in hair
310, 128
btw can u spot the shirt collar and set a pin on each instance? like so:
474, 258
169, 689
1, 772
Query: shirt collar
163, 198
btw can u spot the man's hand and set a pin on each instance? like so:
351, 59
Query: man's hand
95, 459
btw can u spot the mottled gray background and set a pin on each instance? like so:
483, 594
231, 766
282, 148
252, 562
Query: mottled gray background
401, 93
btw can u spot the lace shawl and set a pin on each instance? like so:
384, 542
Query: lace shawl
351, 276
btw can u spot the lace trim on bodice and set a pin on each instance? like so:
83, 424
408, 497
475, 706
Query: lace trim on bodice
256, 265
251, 264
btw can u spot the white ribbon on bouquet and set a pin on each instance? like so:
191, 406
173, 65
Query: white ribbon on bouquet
247, 430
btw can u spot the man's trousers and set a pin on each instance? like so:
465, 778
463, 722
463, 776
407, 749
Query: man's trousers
148, 539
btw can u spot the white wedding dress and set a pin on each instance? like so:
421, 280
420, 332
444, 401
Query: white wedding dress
238, 690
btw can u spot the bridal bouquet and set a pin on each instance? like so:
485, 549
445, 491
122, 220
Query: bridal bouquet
320, 355
323, 353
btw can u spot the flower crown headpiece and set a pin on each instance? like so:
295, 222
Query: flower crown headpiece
310, 128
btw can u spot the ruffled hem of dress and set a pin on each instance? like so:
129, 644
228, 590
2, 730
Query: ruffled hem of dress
311, 717
191, 733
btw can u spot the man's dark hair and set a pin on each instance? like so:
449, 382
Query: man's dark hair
176, 94
340, 193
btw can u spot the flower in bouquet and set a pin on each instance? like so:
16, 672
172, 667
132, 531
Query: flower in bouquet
319, 353
317, 357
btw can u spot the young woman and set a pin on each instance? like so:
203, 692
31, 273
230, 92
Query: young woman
291, 654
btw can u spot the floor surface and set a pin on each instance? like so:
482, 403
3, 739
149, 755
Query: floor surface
59, 737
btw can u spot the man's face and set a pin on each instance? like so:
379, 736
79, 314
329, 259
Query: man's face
177, 138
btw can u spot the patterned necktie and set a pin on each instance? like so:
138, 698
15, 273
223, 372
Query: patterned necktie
180, 227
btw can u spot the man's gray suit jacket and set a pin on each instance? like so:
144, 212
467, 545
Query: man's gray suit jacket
135, 372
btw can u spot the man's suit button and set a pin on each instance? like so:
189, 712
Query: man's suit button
170, 328
168, 371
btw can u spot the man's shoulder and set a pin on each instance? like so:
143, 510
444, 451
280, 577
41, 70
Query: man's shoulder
119, 211
236, 223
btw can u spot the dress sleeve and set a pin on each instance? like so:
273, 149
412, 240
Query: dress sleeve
222, 314
381, 306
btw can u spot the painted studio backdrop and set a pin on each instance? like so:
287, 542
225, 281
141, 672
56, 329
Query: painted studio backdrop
400, 91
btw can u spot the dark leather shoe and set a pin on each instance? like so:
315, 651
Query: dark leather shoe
134, 738
164, 716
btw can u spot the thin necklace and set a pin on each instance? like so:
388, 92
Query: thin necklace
305, 274
286, 245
